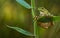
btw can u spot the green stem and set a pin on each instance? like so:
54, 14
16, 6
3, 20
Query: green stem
33, 6
33, 15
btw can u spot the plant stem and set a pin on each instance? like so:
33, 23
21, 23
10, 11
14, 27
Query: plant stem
33, 6
33, 15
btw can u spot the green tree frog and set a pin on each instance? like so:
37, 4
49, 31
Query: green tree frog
45, 19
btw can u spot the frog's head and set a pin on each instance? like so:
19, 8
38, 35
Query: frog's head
42, 9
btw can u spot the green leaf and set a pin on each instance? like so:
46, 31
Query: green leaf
56, 18
21, 31
24, 3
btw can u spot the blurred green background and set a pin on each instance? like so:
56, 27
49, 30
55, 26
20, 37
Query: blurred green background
13, 14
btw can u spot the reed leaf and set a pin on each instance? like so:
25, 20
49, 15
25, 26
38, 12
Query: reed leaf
21, 30
24, 3
56, 18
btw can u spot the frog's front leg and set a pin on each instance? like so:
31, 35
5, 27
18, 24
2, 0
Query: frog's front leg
35, 18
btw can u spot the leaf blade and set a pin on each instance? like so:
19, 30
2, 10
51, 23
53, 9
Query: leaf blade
56, 18
23, 3
21, 31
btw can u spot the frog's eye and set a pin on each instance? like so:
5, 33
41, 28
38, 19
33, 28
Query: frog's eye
42, 8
